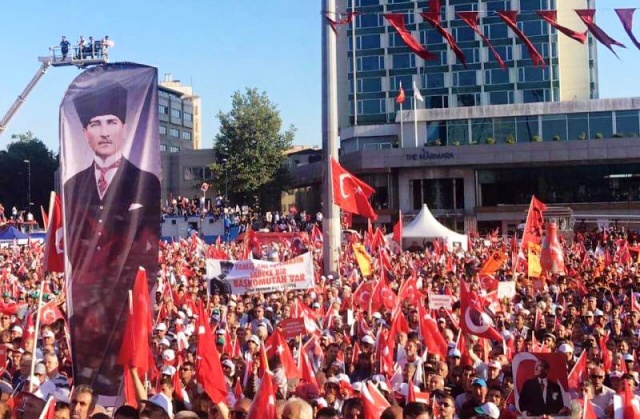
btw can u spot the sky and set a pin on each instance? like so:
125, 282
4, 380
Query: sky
219, 47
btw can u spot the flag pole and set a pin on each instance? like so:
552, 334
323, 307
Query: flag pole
330, 212
401, 128
415, 118
35, 334
354, 63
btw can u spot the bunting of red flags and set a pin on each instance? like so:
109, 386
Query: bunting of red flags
471, 19
396, 20
510, 17
434, 19
588, 18
626, 18
551, 17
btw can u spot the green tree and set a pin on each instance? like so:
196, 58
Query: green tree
250, 148
14, 173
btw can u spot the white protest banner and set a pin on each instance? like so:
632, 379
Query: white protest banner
439, 301
213, 268
253, 276
506, 289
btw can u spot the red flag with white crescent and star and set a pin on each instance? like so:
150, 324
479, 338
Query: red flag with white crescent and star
475, 320
350, 193
50, 313
264, 404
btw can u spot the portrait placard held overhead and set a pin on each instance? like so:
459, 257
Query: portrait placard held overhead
111, 198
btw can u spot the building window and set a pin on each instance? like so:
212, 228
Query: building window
497, 76
403, 60
164, 110
162, 130
367, 42
174, 149
464, 33
186, 135
193, 173
163, 147
433, 80
526, 128
601, 124
464, 78
555, 126
371, 107
188, 117
369, 85
627, 123
430, 37
174, 132
501, 98
369, 20
176, 113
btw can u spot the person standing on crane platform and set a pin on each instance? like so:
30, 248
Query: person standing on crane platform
64, 48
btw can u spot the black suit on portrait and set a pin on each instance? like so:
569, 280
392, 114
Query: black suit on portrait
531, 399
107, 240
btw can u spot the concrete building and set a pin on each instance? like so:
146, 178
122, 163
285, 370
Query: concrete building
180, 116
580, 154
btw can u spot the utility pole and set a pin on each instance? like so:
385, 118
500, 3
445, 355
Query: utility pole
330, 212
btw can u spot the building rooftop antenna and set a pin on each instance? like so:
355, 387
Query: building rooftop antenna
81, 56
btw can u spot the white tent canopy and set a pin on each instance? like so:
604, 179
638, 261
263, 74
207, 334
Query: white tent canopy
425, 226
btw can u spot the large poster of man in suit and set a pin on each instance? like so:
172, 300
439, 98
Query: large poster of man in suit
110, 166
541, 384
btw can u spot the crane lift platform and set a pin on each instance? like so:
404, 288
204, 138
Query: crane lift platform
80, 56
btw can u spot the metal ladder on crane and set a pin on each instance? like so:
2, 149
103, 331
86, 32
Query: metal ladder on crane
78, 58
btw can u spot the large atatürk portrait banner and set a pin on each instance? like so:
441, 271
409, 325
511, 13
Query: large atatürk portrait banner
110, 169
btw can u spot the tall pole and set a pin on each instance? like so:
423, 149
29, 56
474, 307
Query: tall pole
354, 65
331, 214
28, 186
226, 181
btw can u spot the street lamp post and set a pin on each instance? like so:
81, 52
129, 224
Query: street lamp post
226, 181
29, 185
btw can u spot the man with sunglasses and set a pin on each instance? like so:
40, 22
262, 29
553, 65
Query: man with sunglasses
602, 395
447, 407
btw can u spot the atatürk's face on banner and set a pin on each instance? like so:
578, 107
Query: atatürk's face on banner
105, 135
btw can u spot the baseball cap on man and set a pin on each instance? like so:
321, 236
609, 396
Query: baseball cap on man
110, 99
479, 382
488, 409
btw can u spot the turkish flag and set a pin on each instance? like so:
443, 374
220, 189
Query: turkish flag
433, 339
208, 368
276, 345
363, 294
304, 365
49, 411
629, 411
373, 402
383, 296
264, 404
350, 193
510, 17
135, 350
29, 331
50, 313
54, 249
401, 97
475, 320
397, 229
409, 291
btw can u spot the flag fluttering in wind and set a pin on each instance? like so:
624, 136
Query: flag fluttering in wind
350, 193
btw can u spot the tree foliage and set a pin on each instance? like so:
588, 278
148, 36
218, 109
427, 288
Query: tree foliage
250, 146
14, 173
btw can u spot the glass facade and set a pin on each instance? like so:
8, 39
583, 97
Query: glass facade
560, 185
383, 60
535, 128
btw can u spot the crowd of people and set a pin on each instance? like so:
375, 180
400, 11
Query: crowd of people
363, 354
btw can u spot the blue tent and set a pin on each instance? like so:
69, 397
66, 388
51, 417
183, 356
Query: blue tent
12, 233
